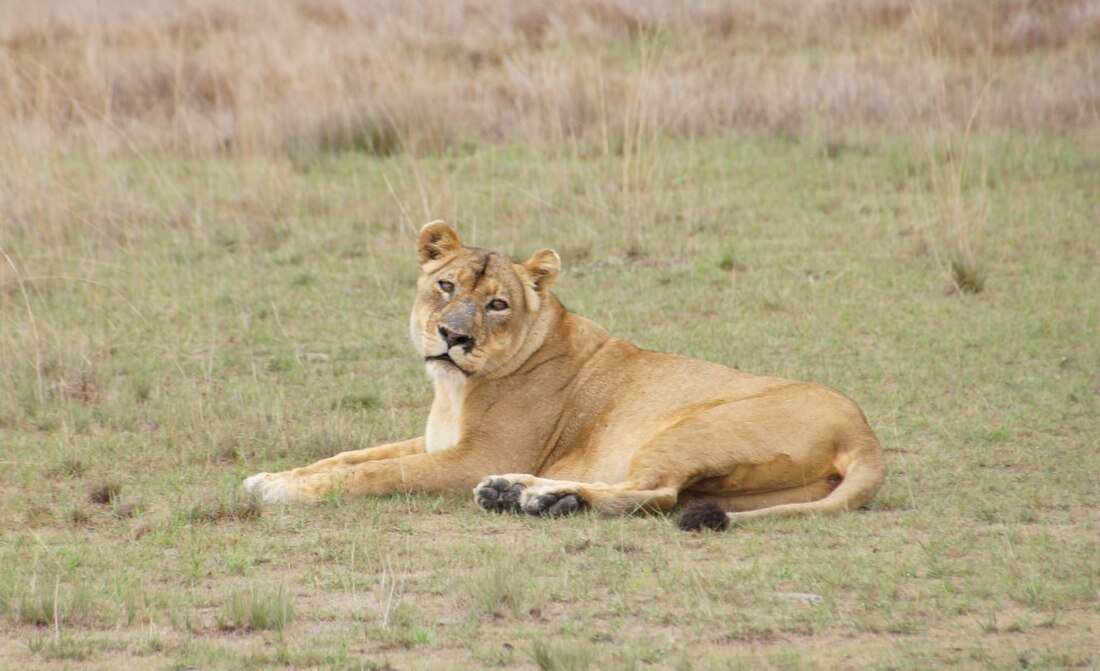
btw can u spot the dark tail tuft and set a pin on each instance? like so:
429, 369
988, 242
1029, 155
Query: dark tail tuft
701, 514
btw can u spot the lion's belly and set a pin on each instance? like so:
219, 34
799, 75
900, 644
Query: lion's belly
600, 446
604, 450
590, 465
671, 411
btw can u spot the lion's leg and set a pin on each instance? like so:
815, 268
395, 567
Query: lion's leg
257, 484
624, 498
755, 501
758, 459
450, 470
541, 496
751, 446
356, 457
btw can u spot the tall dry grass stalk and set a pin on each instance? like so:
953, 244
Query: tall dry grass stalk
304, 76
957, 213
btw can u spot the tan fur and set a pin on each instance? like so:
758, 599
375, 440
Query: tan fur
576, 417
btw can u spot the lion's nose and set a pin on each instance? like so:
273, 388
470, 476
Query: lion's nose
456, 339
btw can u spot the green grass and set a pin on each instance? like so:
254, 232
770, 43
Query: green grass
175, 325
247, 609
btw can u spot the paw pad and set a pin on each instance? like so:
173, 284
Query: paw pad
498, 494
552, 504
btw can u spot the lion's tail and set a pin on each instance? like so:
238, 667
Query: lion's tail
861, 479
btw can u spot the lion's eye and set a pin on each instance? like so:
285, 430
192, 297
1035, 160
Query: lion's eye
498, 305
446, 286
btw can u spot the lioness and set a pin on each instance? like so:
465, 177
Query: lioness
577, 418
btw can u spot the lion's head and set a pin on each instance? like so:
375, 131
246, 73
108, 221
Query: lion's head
477, 312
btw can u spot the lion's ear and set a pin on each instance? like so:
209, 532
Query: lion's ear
543, 267
437, 241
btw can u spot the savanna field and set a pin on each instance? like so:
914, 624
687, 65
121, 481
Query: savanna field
207, 225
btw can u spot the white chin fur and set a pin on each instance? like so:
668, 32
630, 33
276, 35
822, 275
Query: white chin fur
443, 371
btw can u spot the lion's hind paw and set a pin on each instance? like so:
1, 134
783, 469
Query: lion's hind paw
550, 503
498, 494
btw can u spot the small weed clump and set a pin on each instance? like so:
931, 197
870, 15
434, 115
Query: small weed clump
105, 493
251, 610
363, 400
729, 262
561, 658
967, 275
78, 516
66, 648
231, 508
47, 602
498, 587
69, 466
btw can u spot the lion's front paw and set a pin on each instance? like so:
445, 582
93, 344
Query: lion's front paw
254, 484
546, 501
276, 488
498, 494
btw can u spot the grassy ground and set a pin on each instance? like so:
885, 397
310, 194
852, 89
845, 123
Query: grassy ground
207, 217
215, 317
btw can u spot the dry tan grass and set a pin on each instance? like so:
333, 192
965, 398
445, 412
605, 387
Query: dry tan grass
186, 298
314, 75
